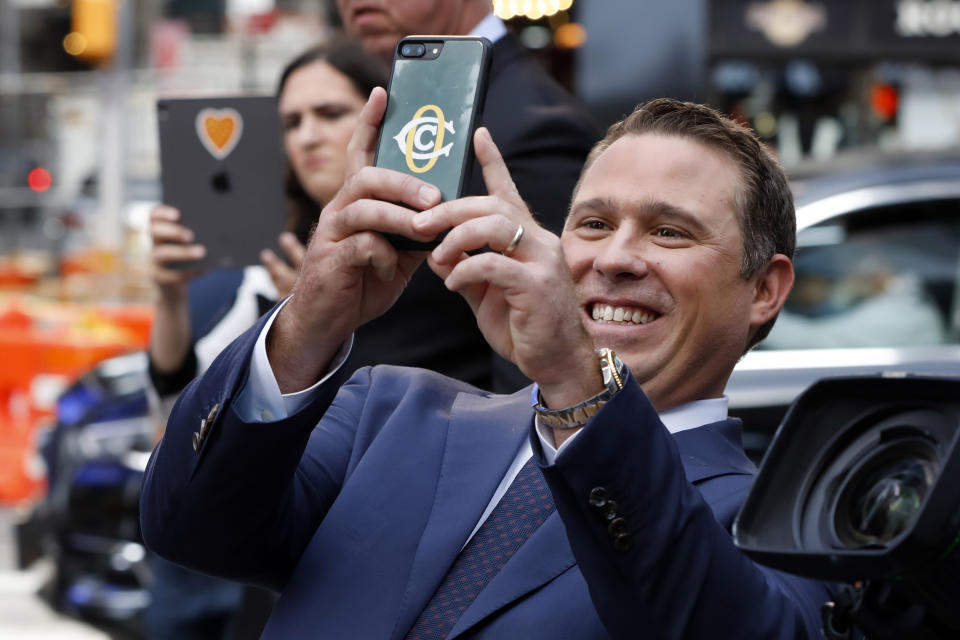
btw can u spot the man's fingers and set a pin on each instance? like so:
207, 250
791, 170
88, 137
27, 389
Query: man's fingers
454, 212
495, 173
386, 185
477, 233
374, 215
363, 142
472, 294
490, 268
371, 250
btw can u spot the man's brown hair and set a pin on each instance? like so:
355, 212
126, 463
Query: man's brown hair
764, 202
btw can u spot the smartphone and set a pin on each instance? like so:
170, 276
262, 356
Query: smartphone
434, 102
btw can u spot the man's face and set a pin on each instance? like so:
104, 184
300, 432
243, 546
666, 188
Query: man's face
381, 23
654, 247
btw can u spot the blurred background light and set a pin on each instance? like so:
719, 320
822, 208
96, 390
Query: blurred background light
884, 100
765, 124
570, 36
75, 43
93, 36
39, 179
532, 9
536, 37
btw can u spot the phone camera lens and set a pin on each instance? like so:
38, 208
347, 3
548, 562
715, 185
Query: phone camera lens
412, 50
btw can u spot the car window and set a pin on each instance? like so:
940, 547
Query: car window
881, 277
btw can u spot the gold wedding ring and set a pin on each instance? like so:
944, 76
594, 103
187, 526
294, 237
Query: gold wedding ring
516, 240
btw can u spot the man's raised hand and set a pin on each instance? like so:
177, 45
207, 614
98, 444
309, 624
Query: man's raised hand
521, 292
350, 273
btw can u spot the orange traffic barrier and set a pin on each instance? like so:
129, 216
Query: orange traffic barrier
51, 339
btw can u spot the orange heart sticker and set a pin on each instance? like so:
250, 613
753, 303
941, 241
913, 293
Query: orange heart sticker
219, 130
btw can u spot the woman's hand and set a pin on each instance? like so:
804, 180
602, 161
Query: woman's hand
172, 243
284, 272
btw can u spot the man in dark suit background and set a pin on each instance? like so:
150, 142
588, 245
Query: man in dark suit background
375, 507
544, 135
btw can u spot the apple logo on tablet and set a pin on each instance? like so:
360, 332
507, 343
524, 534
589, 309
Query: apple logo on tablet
220, 181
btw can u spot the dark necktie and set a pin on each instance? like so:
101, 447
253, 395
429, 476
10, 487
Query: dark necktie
523, 508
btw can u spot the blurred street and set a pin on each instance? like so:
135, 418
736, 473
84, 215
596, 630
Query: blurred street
23, 615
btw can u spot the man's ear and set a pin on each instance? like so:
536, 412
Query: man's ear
773, 285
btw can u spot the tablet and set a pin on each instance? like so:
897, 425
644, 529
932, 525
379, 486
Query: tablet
222, 165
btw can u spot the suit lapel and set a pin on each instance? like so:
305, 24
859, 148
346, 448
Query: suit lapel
483, 438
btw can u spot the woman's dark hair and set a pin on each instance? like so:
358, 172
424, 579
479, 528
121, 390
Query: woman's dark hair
365, 73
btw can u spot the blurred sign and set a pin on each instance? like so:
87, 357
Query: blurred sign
167, 40
93, 35
918, 19
853, 29
786, 23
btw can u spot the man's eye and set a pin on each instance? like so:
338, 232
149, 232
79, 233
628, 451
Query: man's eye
289, 123
595, 224
668, 232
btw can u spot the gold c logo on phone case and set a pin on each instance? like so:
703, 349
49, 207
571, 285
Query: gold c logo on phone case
412, 143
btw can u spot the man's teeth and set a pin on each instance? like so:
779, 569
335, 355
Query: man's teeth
606, 313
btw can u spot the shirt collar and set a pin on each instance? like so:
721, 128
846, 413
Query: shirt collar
492, 28
694, 414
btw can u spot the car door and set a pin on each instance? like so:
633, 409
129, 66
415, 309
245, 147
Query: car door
877, 290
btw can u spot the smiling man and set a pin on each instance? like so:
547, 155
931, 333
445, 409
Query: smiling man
656, 246
596, 504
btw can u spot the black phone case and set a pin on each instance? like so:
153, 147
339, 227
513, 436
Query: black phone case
429, 104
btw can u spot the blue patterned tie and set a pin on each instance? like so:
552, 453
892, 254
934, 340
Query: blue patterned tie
523, 508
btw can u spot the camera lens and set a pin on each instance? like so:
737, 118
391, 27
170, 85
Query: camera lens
412, 50
884, 498
892, 500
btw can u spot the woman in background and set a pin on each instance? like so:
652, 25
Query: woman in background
319, 97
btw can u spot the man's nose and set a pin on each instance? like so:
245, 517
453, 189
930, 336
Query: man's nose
622, 256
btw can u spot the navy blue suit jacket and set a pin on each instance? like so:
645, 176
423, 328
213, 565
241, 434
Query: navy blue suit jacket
355, 507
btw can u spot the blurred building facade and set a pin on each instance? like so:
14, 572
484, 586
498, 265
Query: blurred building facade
813, 77
816, 78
